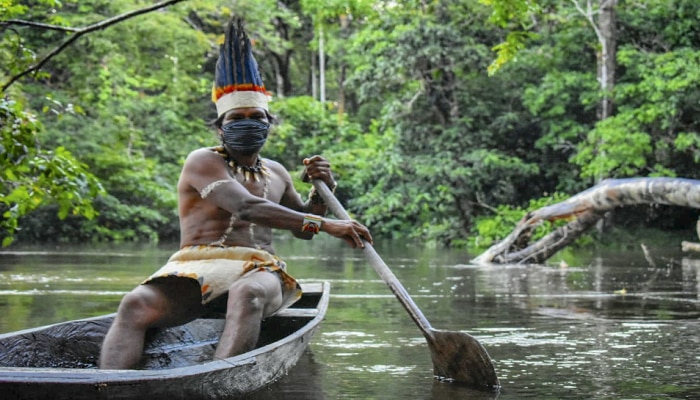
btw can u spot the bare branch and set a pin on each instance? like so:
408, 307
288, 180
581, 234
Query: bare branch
589, 13
50, 27
78, 32
587, 208
551, 243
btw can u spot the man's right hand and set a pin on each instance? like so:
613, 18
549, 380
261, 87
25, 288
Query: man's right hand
352, 232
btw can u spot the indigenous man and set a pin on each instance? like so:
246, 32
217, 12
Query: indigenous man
229, 200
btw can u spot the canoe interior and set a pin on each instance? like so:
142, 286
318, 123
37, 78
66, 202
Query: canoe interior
76, 344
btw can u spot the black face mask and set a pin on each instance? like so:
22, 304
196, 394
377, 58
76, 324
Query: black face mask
245, 135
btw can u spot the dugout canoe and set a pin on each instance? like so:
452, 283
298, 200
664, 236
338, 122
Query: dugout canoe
60, 361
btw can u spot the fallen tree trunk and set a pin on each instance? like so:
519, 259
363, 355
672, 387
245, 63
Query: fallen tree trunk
586, 208
691, 246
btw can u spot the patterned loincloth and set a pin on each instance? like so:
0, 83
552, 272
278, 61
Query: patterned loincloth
216, 268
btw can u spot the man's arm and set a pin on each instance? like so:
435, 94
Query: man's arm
206, 172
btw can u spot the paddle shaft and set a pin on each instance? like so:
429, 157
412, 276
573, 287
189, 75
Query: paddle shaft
377, 263
456, 356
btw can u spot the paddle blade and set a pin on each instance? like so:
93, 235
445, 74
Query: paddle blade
459, 357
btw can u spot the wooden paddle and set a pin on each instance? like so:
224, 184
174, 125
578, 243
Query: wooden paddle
457, 356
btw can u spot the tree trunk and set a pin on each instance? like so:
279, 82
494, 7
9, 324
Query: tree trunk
587, 208
282, 79
607, 59
282, 60
321, 66
314, 83
605, 31
344, 33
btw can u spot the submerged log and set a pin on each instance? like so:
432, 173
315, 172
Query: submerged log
690, 246
586, 208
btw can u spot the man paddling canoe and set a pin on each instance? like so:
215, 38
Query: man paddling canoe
229, 199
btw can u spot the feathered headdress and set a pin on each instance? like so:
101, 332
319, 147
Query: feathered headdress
237, 82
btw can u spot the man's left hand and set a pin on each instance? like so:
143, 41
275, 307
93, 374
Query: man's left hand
317, 167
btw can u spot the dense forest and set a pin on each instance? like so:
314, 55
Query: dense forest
443, 119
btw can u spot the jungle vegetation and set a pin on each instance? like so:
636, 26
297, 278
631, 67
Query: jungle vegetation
443, 119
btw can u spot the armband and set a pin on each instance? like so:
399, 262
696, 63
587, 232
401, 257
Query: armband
210, 188
312, 223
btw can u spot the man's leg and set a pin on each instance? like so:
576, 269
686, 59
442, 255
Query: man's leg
172, 302
249, 299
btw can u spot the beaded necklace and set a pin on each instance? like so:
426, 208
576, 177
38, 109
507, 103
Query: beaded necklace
257, 172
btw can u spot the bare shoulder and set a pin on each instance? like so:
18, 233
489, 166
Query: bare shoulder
272, 164
203, 158
203, 166
203, 153
277, 169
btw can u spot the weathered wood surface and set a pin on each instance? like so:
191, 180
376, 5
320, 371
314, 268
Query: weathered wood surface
586, 208
59, 361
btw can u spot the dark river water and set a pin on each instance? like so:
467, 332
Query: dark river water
597, 325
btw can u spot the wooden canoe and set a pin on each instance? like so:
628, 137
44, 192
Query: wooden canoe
60, 361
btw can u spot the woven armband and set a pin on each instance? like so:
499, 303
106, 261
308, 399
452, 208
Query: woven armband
210, 187
312, 223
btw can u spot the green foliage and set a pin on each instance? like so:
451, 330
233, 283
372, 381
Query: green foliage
307, 127
506, 14
425, 142
506, 11
452, 135
122, 116
32, 177
490, 229
655, 96
689, 142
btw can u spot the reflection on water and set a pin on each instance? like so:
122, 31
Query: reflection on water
610, 326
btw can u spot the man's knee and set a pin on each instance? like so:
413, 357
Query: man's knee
254, 296
138, 308
249, 294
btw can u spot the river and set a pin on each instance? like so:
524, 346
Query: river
597, 325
